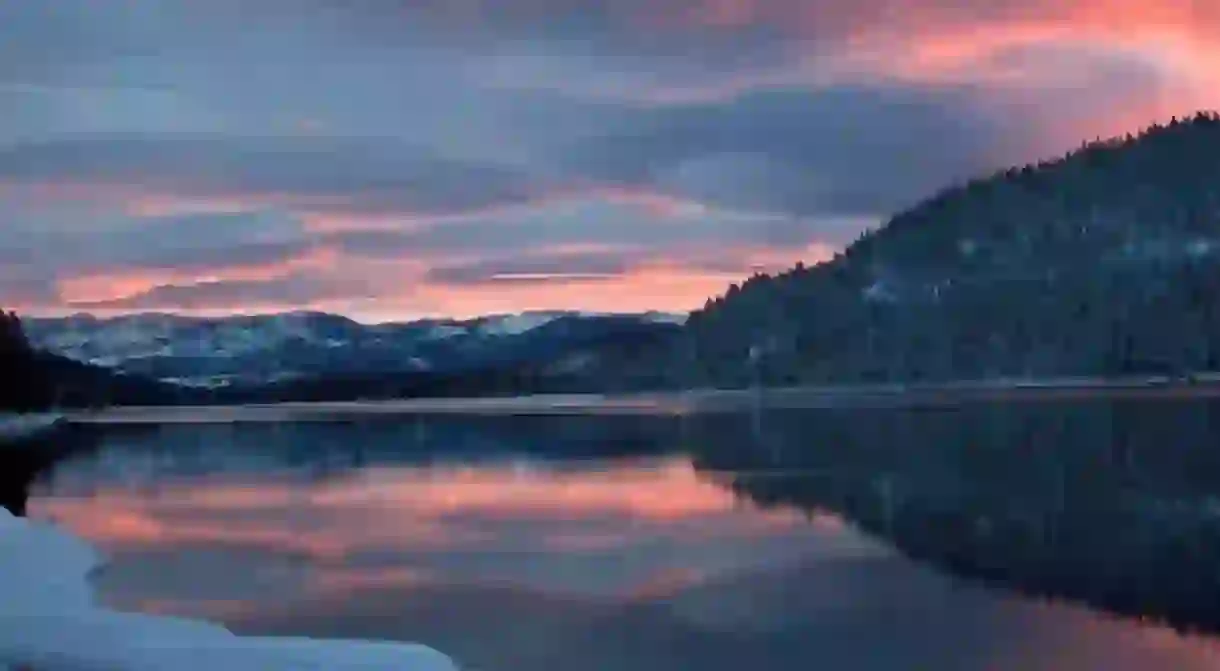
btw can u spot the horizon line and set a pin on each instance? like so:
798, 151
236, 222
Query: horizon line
205, 315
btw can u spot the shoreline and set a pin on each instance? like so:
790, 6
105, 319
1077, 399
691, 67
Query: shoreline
666, 403
1021, 497
49, 619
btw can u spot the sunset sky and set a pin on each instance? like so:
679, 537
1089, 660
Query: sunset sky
393, 159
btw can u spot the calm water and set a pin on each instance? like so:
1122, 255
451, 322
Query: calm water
613, 543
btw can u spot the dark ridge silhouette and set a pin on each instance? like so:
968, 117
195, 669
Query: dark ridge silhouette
23, 384
32, 380
567, 355
1102, 262
1108, 502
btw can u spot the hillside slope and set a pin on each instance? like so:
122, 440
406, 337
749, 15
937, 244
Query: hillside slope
33, 380
569, 354
276, 349
1105, 261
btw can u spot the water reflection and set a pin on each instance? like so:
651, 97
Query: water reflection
23, 461
612, 528
608, 544
233, 525
1107, 501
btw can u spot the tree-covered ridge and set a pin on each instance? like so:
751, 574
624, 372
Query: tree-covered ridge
21, 378
1103, 261
32, 380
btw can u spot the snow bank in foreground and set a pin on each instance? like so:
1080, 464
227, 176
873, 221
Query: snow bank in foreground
48, 622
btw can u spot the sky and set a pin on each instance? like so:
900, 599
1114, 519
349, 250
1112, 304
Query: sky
399, 159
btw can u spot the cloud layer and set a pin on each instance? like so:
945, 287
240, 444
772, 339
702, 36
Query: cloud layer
400, 158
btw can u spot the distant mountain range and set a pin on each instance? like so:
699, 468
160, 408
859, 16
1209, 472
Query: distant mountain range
1103, 262
257, 351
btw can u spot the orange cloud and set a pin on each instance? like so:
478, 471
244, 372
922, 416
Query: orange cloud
1174, 37
824, 18
657, 204
398, 289
1020, 58
164, 205
117, 284
660, 287
971, 44
652, 285
675, 286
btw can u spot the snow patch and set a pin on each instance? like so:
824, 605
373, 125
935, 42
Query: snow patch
879, 292
208, 352
517, 324
665, 318
443, 331
1201, 247
49, 622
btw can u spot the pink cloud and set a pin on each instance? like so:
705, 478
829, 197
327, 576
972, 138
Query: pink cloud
123, 283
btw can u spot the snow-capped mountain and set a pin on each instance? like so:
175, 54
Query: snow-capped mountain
269, 348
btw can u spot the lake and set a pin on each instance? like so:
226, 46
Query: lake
781, 541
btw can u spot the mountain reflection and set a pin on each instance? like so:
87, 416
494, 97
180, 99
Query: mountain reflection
607, 528
516, 508
648, 544
22, 462
1108, 501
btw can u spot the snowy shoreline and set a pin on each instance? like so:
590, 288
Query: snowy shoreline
50, 622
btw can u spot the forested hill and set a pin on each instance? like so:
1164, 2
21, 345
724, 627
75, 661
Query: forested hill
1105, 261
20, 379
32, 380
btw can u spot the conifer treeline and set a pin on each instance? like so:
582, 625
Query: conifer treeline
24, 385
1103, 262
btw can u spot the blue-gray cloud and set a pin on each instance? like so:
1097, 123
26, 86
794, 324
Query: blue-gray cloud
317, 173
477, 130
185, 242
842, 151
591, 222
236, 295
536, 268
545, 267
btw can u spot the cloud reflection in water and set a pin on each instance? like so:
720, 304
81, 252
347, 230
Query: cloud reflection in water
640, 563
607, 529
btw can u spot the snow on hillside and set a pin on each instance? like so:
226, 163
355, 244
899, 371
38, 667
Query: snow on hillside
443, 331
214, 352
516, 324
49, 621
666, 317
113, 341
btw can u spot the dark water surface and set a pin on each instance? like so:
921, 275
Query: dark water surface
629, 543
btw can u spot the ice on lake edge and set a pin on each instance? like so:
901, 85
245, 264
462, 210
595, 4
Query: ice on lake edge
50, 622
